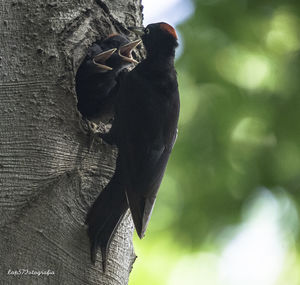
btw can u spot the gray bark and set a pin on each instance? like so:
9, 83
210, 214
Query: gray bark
48, 176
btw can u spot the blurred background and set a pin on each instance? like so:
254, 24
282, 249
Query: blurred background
227, 211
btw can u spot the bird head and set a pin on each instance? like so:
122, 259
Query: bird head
157, 38
117, 53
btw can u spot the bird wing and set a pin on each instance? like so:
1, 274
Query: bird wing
145, 167
146, 122
144, 158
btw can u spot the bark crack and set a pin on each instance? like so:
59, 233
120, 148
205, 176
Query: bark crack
114, 21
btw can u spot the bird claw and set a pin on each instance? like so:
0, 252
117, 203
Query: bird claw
94, 132
90, 127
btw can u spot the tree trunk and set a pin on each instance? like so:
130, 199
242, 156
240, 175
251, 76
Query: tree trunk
48, 176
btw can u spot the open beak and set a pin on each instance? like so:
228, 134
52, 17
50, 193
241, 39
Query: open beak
137, 30
126, 50
100, 59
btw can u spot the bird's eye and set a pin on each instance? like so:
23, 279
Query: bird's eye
147, 31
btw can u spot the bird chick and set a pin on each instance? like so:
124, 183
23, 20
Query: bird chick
96, 76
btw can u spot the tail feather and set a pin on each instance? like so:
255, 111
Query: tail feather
104, 217
141, 209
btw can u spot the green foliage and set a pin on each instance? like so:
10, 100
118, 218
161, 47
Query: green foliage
239, 84
240, 106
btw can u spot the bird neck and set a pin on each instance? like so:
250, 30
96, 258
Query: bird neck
161, 56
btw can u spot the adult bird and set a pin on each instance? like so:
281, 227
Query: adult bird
144, 130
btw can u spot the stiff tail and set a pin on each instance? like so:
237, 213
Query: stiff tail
104, 217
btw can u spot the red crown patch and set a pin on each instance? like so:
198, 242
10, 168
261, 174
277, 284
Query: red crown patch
168, 28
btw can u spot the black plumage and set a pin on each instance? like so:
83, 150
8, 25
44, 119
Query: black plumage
96, 76
144, 130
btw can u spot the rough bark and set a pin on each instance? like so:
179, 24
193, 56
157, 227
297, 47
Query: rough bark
48, 176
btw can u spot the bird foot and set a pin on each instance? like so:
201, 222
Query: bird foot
95, 132
92, 130
90, 127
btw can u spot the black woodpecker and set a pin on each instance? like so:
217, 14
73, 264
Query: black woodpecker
97, 74
144, 130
